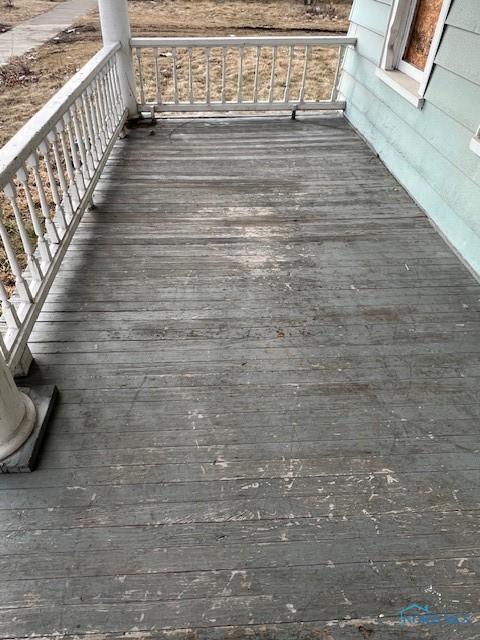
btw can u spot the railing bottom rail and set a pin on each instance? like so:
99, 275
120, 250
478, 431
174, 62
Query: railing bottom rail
327, 105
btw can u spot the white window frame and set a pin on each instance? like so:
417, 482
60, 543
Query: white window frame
410, 70
400, 75
475, 143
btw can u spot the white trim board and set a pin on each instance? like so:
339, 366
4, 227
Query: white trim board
475, 145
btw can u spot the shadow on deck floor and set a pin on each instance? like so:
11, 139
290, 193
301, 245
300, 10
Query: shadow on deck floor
268, 364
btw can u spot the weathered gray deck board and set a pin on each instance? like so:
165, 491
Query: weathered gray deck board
268, 425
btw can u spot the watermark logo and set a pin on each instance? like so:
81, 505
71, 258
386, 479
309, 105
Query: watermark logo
416, 614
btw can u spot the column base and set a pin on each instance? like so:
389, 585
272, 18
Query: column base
24, 459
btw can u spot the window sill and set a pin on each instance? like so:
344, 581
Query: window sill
401, 83
475, 145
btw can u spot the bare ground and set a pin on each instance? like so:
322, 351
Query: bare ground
21, 10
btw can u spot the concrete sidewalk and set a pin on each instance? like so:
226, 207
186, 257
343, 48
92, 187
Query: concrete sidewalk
34, 32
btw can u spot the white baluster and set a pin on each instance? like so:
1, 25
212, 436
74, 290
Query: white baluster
175, 79
67, 157
106, 107
3, 347
240, 75
81, 133
43, 248
224, 65
8, 310
158, 87
33, 265
21, 286
138, 52
116, 83
255, 82
190, 76
110, 98
52, 231
67, 205
60, 219
100, 140
111, 92
105, 112
304, 74
271, 95
92, 138
291, 56
77, 161
207, 75
336, 80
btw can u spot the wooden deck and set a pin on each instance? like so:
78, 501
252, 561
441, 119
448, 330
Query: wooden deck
268, 364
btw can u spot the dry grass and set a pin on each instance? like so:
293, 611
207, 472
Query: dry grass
26, 83
224, 17
23, 10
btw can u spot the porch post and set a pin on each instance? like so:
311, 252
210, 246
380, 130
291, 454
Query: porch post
17, 414
116, 28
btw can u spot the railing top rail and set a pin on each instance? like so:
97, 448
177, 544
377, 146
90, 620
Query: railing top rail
264, 41
18, 149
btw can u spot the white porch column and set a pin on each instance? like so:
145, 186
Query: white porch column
116, 28
17, 414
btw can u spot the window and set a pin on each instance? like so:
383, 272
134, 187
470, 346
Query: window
419, 37
413, 36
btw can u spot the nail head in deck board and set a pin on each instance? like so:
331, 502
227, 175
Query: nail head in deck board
287, 247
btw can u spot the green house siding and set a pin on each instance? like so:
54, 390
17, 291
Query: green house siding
426, 149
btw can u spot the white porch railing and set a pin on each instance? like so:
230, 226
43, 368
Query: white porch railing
48, 172
273, 73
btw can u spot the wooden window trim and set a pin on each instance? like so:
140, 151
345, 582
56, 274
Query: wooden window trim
392, 66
